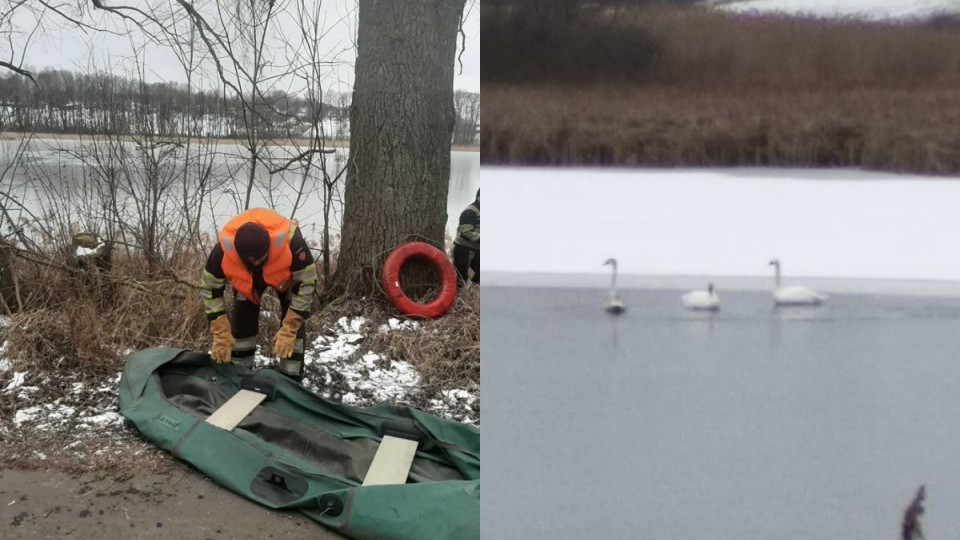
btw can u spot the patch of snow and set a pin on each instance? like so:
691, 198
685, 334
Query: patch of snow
26, 415
331, 352
83, 252
25, 391
391, 384
51, 416
110, 386
17, 381
455, 404
355, 324
397, 324
103, 420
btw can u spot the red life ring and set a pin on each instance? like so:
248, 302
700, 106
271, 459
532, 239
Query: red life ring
390, 279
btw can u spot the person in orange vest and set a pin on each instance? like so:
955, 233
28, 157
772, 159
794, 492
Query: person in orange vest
258, 249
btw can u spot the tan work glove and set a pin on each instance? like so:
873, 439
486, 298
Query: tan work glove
222, 339
287, 335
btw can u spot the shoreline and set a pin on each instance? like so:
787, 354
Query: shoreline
330, 143
917, 287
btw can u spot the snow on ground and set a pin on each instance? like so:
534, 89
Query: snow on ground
864, 9
59, 414
373, 378
89, 411
723, 222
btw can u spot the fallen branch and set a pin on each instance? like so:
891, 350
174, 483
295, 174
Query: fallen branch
911, 517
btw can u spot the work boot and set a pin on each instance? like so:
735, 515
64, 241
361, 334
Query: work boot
291, 368
246, 362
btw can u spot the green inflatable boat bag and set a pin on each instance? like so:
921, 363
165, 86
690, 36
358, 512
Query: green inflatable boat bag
297, 451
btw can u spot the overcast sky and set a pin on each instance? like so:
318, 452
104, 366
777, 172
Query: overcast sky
66, 47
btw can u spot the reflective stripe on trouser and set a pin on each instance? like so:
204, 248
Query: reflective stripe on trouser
243, 350
293, 366
244, 325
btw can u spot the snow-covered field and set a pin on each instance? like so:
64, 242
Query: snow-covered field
864, 9
86, 419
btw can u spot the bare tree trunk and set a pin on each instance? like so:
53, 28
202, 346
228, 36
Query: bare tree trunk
401, 124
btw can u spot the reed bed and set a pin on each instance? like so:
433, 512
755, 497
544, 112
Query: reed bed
708, 88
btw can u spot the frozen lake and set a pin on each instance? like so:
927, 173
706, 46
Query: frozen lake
752, 424
722, 222
51, 159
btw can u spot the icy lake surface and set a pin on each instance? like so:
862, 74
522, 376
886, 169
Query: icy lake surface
749, 424
53, 162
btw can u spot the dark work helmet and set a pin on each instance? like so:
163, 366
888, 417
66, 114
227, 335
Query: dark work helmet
252, 241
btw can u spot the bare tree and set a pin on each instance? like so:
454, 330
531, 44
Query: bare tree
314, 172
401, 124
467, 108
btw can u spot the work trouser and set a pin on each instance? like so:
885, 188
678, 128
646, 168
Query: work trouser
245, 327
464, 260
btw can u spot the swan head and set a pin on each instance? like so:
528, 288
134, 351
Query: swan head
775, 262
710, 287
610, 261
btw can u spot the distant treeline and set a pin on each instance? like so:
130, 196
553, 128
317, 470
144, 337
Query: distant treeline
98, 103
567, 40
68, 102
680, 41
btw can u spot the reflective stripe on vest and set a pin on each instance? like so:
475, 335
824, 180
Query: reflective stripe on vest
276, 269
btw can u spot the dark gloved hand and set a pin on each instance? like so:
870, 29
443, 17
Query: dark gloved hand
222, 339
287, 335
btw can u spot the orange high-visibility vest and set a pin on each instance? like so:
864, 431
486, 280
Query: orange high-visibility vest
276, 269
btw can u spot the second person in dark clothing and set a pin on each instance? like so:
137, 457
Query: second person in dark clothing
466, 246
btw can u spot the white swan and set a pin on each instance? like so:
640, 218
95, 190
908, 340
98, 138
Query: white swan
793, 296
614, 302
702, 300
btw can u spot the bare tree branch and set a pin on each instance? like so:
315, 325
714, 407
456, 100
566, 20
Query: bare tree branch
302, 155
19, 71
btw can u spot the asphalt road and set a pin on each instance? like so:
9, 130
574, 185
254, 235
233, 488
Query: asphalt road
185, 504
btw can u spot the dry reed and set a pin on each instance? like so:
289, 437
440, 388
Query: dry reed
732, 90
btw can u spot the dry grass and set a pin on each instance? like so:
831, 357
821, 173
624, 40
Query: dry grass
715, 50
446, 350
879, 128
71, 324
75, 331
728, 90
